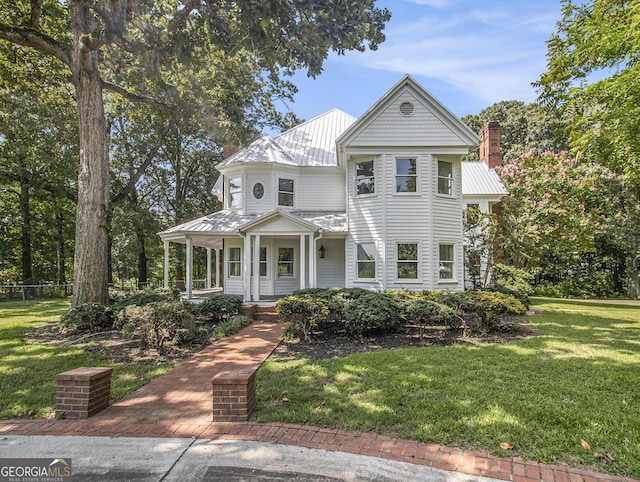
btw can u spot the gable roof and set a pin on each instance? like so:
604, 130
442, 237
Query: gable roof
479, 180
430, 124
310, 144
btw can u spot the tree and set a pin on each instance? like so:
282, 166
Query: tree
146, 50
522, 127
593, 77
38, 148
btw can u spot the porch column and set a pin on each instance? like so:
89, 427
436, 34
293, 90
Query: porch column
166, 264
246, 269
312, 262
189, 276
217, 268
303, 261
256, 267
208, 283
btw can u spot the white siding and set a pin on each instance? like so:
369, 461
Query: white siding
330, 269
266, 203
320, 190
232, 285
422, 128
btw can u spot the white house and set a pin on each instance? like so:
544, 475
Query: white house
374, 202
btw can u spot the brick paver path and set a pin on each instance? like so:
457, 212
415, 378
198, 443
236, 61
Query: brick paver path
179, 404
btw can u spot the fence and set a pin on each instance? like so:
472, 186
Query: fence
55, 290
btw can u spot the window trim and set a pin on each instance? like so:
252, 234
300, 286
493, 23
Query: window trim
231, 261
292, 263
237, 192
264, 263
449, 178
288, 193
374, 261
452, 262
417, 261
358, 179
396, 176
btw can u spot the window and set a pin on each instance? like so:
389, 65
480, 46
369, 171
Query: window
285, 192
445, 178
366, 258
446, 262
406, 175
407, 261
285, 262
263, 262
365, 180
235, 265
235, 192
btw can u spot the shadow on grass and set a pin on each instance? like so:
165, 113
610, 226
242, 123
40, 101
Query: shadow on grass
580, 380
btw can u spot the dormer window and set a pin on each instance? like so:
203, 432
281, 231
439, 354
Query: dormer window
285, 192
235, 192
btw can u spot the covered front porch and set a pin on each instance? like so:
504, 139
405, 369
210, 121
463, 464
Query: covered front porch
262, 257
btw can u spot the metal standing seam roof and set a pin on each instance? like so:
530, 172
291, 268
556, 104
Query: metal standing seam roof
479, 180
227, 222
310, 144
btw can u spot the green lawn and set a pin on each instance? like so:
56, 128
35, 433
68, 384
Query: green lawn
579, 380
28, 371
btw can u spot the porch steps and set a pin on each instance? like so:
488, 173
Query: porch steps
266, 313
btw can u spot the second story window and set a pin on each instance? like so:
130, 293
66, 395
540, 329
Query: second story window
365, 179
445, 178
285, 192
406, 175
235, 192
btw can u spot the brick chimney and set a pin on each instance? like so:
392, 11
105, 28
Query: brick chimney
230, 149
490, 145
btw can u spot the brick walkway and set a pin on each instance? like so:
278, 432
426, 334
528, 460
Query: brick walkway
179, 404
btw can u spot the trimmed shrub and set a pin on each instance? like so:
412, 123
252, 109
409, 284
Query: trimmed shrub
303, 312
219, 308
461, 301
490, 305
158, 322
424, 312
88, 318
372, 311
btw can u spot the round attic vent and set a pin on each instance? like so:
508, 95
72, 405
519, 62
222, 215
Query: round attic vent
406, 108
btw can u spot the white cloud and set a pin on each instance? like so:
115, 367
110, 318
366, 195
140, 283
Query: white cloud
432, 3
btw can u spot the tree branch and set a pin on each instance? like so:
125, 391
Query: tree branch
137, 98
182, 15
36, 10
29, 37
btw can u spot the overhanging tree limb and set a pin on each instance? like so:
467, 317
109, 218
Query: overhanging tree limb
29, 37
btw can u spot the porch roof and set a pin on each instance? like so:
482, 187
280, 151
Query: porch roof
228, 223
479, 180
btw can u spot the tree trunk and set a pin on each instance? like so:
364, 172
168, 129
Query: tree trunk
25, 234
60, 251
142, 259
633, 265
91, 241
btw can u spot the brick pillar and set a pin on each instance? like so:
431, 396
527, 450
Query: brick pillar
82, 392
234, 395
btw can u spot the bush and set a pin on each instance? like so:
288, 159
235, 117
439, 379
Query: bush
158, 322
219, 308
461, 301
231, 326
513, 281
88, 318
424, 312
372, 311
144, 297
303, 312
490, 305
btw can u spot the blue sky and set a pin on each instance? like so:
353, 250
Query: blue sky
469, 54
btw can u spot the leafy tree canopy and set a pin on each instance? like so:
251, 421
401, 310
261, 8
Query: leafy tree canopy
593, 77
